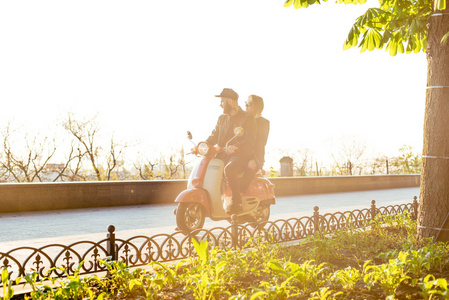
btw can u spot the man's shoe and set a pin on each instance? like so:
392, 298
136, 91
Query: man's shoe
233, 208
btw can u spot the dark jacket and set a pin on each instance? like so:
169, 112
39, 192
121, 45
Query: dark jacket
224, 131
263, 128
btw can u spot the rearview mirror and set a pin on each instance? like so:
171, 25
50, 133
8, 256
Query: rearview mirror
189, 135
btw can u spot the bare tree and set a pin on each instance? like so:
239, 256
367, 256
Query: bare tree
85, 133
72, 169
407, 162
147, 164
349, 158
146, 170
113, 160
183, 164
379, 165
303, 161
171, 165
30, 162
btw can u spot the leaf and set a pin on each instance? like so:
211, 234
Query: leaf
288, 3
401, 47
393, 48
442, 283
402, 256
417, 45
277, 267
134, 282
353, 34
414, 27
410, 47
440, 5
377, 39
202, 249
347, 45
364, 42
220, 266
371, 44
5, 276
258, 294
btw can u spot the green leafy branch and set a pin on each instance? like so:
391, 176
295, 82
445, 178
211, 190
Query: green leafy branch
396, 25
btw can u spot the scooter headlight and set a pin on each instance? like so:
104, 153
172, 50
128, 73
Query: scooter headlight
203, 148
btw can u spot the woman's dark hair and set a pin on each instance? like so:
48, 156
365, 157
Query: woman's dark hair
258, 103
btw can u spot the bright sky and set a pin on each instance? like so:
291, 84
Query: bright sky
151, 70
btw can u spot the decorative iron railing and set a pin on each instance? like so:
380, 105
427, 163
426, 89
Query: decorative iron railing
141, 250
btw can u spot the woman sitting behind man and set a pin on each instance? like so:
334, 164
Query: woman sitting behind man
254, 106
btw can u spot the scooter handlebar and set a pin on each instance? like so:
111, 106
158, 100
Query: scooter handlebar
193, 151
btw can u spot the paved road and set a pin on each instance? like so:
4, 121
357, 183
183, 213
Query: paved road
65, 226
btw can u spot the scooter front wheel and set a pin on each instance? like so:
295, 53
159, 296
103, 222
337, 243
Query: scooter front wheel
190, 216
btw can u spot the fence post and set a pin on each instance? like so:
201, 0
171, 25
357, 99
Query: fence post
415, 208
373, 209
316, 219
234, 231
111, 243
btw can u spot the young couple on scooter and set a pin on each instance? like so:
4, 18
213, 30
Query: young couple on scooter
244, 154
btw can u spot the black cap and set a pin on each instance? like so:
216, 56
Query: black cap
228, 93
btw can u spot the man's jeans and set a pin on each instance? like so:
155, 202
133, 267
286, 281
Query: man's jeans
235, 166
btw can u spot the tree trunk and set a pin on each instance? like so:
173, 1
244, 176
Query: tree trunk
434, 194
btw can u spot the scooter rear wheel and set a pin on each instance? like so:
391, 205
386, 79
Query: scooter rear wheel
261, 216
190, 216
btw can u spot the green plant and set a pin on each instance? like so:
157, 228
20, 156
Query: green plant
347, 277
322, 247
274, 290
272, 172
31, 280
71, 287
388, 276
152, 282
324, 294
206, 280
348, 235
242, 262
121, 279
166, 275
430, 287
307, 275
438, 254
8, 291
263, 271
418, 261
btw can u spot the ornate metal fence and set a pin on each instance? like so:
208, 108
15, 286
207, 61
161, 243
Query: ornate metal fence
141, 250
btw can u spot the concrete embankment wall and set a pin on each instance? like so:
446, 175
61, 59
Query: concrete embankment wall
335, 184
20, 197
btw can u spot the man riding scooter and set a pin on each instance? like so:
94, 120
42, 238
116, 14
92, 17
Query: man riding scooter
208, 193
239, 150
